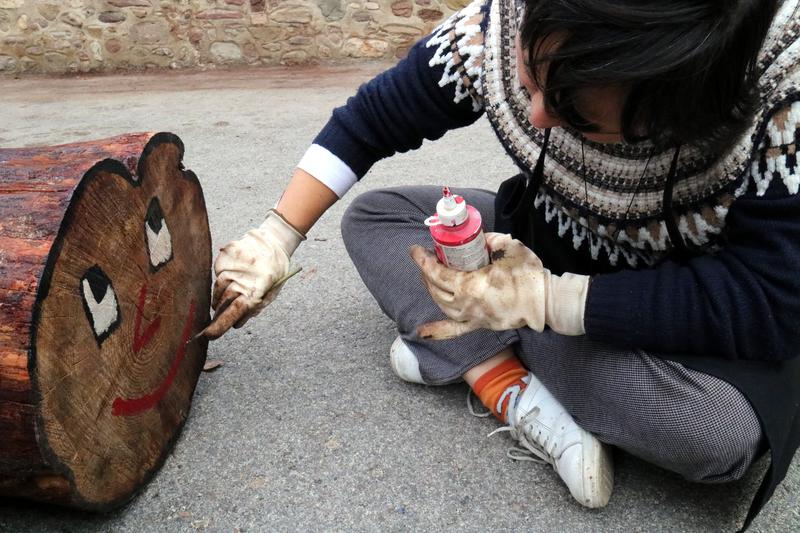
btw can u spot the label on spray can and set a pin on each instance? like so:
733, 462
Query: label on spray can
469, 256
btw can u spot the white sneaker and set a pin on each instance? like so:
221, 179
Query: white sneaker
404, 363
547, 431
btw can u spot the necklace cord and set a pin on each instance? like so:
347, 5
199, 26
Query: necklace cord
669, 217
633, 196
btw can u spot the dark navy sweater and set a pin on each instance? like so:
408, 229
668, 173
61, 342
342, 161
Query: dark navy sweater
741, 302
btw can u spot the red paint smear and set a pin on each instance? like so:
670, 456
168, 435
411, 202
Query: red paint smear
139, 341
134, 406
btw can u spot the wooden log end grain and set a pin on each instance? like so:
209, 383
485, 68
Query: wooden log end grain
107, 275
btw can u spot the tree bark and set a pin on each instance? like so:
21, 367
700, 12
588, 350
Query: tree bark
105, 259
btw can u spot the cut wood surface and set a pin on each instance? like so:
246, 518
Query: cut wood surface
105, 258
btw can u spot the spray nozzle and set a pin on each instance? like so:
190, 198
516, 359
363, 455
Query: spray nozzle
451, 210
448, 198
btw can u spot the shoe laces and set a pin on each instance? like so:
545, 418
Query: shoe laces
471, 406
531, 449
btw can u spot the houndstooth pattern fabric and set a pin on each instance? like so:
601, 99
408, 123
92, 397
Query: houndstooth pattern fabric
391, 216
683, 420
680, 419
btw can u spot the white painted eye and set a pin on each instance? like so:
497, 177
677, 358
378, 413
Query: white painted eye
159, 241
100, 303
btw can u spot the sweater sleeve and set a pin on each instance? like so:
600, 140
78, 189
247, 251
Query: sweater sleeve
434, 89
743, 302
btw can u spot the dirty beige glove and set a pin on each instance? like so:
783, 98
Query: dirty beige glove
515, 290
251, 271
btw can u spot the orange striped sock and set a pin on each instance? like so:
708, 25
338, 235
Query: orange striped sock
499, 388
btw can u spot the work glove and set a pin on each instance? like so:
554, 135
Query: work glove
251, 272
515, 290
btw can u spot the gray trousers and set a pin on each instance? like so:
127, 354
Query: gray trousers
680, 419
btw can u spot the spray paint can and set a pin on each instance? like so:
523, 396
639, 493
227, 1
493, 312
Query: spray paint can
457, 232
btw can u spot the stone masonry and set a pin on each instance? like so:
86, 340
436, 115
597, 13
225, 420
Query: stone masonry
70, 36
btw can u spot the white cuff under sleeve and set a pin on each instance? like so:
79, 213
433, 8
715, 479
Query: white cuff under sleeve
329, 169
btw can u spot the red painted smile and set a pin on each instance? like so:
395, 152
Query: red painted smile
134, 406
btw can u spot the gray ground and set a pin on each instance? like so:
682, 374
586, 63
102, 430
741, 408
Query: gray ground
305, 427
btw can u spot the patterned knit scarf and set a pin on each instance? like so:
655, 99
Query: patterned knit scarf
616, 202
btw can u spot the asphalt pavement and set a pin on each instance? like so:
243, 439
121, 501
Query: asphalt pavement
304, 427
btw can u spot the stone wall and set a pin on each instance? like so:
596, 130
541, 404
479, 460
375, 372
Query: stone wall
67, 36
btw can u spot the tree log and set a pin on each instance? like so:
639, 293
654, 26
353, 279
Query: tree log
105, 276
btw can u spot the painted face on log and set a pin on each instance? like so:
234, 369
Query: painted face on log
99, 297
127, 290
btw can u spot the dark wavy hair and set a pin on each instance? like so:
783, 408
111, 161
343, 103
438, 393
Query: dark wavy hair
689, 66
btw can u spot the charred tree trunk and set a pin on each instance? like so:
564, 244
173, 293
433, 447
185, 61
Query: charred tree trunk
105, 259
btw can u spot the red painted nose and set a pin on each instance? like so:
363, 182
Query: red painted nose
140, 339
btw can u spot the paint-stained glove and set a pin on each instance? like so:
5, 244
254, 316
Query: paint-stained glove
515, 290
251, 271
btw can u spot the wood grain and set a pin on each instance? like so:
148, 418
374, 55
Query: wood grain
73, 214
